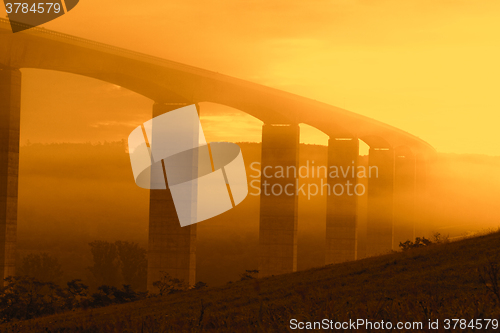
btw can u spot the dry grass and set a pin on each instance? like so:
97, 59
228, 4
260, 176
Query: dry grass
442, 281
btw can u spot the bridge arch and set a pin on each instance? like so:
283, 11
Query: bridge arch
167, 83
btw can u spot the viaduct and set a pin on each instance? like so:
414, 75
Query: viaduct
392, 197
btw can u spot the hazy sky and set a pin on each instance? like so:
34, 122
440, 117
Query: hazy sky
429, 67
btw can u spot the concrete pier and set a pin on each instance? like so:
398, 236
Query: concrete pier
278, 210
404, 197
341, 210
422, 203
380, 201
361, 223
171, 248
10, 111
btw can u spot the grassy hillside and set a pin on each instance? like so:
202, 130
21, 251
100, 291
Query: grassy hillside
438, 282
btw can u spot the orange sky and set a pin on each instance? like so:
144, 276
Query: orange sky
429, 67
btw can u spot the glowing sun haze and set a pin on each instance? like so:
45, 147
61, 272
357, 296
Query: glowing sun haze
427, 67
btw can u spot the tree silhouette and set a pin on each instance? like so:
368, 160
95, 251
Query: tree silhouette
134, 264
43, 267
106, 269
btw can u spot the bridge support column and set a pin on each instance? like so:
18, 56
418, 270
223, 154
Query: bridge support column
341, 214
404, 198
422, 204
10, 115
171, 248
278, 200
380, 201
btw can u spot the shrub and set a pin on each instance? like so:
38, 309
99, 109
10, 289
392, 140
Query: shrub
168, 285
249, 274
25, 297
200, 285
419, 242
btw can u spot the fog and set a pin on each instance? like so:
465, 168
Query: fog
72, 194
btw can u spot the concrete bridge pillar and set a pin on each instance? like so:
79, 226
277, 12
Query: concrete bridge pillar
422, 203
341, 214
404, 197
171, 248
10, 115
278, 209
380, 201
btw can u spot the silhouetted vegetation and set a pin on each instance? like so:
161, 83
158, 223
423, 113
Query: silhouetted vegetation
25, 297
134, 264
35, 290
43, 267
249, 274
447, 280
489, 275
117, 262
168, 285
423, 242
106, 269
77, 294
107, 295
200, 285
419, 242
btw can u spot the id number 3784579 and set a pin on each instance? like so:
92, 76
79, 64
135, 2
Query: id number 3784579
40, 8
